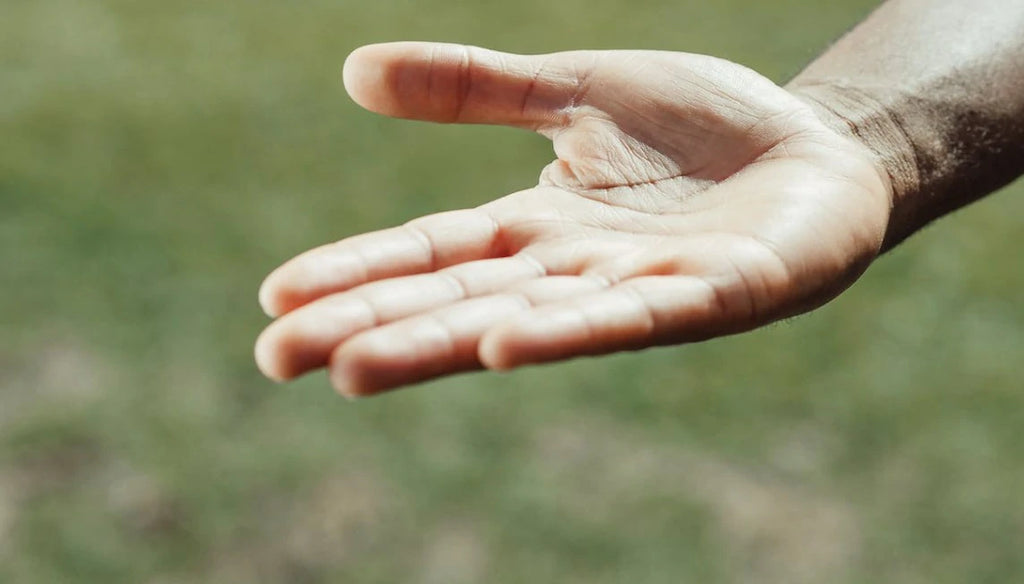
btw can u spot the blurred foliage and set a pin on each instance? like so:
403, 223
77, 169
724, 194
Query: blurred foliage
158, 158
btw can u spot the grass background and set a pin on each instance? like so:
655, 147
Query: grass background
158, 158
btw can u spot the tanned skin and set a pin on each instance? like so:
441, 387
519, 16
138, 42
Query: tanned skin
690, 197
936, 89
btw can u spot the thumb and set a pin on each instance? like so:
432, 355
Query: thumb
454, 83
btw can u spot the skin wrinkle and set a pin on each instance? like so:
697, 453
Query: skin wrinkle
883, 135
662, 332
460, 288
499, 237
579, 310
446, 335
531, 88
582, 145
650, 323
717, 296
465, 83
644, 154
431, 74
428, 245
785, 276
372, 310
608, 198
690, 170
363, 263
750, 311
542, 270
679, 195
582, 77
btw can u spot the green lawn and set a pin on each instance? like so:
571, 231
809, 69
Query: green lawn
158, 158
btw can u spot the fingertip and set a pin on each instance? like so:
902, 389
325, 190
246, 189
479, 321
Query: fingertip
290, 286
268, 298
344, 383
355, 367
268, 357
375, 76
532, 339
360, 74
347, 371
493, 352
528, 340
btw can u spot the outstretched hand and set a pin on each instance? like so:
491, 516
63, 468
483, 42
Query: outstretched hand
690, 198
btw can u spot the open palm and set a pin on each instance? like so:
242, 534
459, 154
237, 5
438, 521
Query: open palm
690, 198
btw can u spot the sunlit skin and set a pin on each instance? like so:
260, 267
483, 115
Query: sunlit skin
689, 198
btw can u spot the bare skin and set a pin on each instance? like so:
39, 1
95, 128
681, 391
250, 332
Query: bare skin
690, 198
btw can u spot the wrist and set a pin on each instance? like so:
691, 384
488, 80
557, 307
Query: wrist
861, 116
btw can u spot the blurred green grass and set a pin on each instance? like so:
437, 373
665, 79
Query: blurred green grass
157, 159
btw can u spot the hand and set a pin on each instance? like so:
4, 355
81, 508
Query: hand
690, 198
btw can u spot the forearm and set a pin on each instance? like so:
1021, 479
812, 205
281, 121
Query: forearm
936, 89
